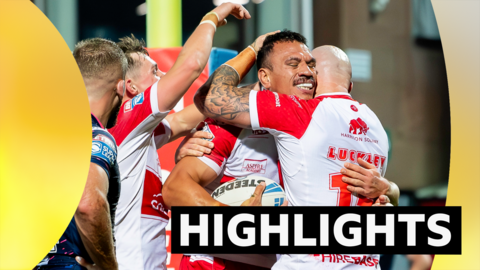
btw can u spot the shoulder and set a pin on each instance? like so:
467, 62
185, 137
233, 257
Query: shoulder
219, 129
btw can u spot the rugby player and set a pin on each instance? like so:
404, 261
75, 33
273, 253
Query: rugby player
314, 137
141, 216
143, 72
89, 235
238, 152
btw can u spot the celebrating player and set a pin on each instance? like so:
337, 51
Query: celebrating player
314, 137
141, 215
89, 234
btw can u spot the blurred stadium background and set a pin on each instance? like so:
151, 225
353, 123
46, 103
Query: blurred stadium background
394, 47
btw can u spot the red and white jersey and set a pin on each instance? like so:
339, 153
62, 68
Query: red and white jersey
237, 153
141, 216
314, 139
240, 152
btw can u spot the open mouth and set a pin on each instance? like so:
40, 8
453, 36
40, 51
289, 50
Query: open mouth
305, 86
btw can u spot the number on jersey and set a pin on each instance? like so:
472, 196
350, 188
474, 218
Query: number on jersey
345, 197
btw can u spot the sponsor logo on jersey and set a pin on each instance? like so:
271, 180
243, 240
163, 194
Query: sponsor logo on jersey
152, 201
350, 155
129, 105
105, 139
352, 259
259, 132
358, 126
109, 154
157, 205
294, 98
96, 147
138, 99
354, 108
254, 166
277, 100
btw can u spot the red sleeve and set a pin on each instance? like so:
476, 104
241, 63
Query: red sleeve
224, 139
279, 112
140, 114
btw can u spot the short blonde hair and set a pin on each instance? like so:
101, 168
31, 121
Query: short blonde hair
96, 56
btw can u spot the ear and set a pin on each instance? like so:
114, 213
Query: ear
264, 77
350, 87
132, 89
119, 87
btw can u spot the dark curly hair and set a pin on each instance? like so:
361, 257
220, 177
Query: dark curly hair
130, 45
283, 36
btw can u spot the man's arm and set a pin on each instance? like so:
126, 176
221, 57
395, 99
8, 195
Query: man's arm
194, 56
93, 219
184, 185
220, 98
182, 122
195, 145
364, 179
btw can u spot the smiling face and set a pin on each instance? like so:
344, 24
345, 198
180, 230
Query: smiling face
291, 70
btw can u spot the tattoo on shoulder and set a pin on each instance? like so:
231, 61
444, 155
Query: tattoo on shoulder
225, 99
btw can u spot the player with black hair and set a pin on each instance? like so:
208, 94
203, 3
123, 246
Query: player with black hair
268, 44
314, 136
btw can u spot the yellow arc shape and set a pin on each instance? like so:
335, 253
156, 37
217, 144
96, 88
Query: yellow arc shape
459, 25
44, 135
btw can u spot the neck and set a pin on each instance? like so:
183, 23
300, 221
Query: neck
102, 108
330, 88
126, 97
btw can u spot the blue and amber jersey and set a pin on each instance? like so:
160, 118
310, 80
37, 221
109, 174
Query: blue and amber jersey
104, 154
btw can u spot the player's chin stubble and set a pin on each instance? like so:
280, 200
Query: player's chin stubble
112, 120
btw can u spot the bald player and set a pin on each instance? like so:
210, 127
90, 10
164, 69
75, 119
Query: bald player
334, 73
314, 137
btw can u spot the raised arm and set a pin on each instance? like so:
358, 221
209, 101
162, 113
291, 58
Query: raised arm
93, 219
182, 122
220, 98
194, 56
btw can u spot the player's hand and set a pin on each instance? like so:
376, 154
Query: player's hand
258, 43
225, 9
88, 265
256, 199
365, 179
383, 200
194, 145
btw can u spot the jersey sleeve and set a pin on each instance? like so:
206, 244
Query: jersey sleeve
162, 133
104, 150
138, 117
224, 140
278, 112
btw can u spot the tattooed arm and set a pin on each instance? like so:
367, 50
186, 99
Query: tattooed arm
220, 98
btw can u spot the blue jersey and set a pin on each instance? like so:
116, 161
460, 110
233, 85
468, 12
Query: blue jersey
104, 154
